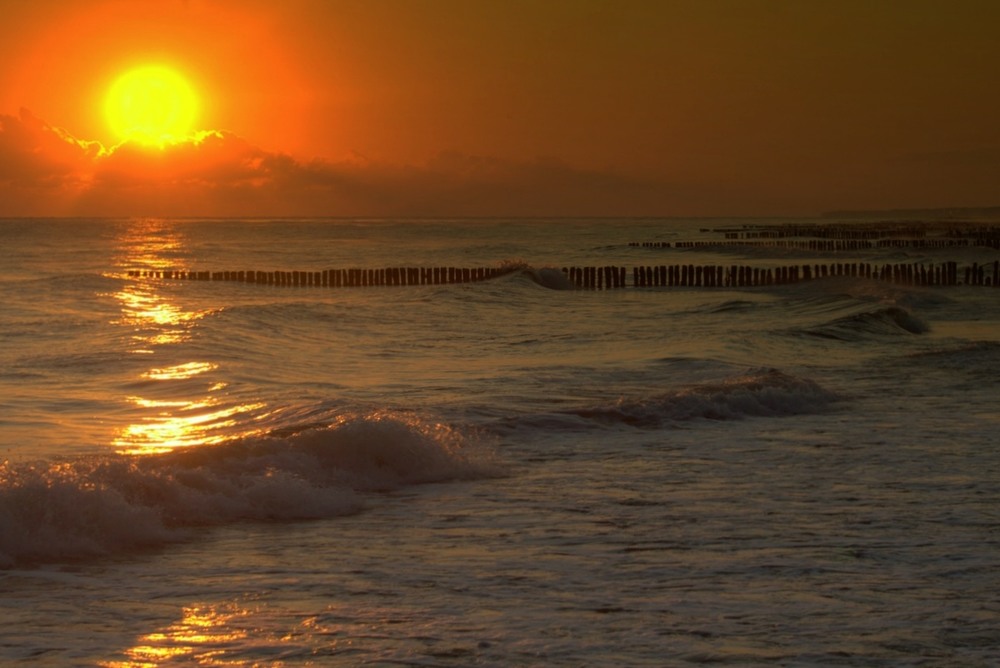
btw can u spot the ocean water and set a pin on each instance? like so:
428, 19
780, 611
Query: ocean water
502, 473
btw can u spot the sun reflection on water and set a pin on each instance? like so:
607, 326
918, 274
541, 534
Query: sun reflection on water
182, 406
183, 424
180, 371
152, 244
201, 637
154, 321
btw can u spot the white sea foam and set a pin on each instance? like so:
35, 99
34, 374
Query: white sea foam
109, 504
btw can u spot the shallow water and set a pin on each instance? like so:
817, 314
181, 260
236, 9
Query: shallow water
496, 473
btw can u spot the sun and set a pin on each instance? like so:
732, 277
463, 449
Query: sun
152, 105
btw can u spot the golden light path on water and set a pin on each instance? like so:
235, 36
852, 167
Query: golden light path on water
180, 423
143, 309
155, 323
198, 637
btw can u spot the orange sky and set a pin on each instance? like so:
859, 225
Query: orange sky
508, 107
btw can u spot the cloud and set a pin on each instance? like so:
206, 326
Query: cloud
35, 154
46, 171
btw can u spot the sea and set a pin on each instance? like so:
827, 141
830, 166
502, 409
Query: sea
507, 472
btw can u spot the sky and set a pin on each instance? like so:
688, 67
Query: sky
506, 107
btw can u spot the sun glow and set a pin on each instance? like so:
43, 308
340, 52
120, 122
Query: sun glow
152, 105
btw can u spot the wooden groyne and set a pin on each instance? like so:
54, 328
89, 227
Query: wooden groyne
744, 276
611, 277
740, 276
839, 237
336, 278
835, 245
872, 230
806, 236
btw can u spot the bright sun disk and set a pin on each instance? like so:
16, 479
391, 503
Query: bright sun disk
152, 105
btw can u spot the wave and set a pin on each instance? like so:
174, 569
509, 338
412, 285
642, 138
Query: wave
885, 321
78, 280
733, 305
973, 358
552, 278
73, 509
758, 393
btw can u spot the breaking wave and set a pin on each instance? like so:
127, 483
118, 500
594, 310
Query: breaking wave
73, 509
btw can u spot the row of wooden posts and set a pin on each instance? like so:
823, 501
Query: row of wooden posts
336, 278
871, 230
610, 277
719, 276
875, 230
823, 244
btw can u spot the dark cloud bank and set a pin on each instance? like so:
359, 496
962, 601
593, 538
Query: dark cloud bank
46, 171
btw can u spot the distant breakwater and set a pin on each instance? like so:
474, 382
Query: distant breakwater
844, 237
826, 245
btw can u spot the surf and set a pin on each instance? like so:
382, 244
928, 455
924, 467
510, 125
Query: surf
102, 505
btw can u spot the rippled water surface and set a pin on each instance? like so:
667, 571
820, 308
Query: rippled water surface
497, 473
